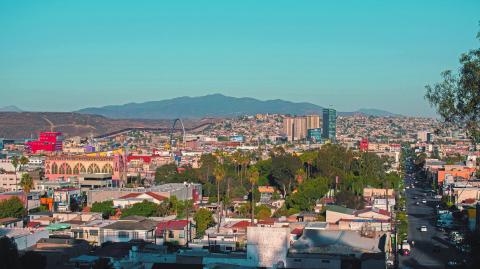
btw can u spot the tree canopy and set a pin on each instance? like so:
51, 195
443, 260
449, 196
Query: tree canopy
12, 208
457, 97
203, 219
106, 208
144, 209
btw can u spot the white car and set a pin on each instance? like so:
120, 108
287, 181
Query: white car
423, 228
424, 201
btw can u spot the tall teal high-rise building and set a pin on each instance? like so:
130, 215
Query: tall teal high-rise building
329, 124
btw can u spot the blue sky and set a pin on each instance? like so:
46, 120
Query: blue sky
67, 55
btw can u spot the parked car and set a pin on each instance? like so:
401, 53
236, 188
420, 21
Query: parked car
423, 228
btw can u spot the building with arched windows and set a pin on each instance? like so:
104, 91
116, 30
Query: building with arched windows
58, 167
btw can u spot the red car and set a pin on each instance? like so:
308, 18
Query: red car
405, 252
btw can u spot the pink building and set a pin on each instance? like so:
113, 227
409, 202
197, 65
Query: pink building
47, 142
73, 166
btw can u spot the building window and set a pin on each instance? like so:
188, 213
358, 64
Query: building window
325, 261
93, 169
123, 234
94, 232
181, 235
297, 260
54, 168
170, 234
135, 235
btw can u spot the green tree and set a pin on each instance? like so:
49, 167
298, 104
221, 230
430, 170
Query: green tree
284, 169
308, 193
26, 183
457, 97
105, 207
23, 161
334, 160
263, 212
253, 175
165, 173
145, 209
15, 163
308, 158
203, 219
349, 199
219, 173
207, 164
12, 208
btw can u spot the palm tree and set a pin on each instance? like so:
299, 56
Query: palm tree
15, 163
253, 175
27, 185
300, 175
23, 161
308, 158
219, 173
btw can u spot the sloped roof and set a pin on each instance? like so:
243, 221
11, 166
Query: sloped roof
144, 225
297, 231
373, 209
8, 220
155, 196
243, 224
171, 225
341, 209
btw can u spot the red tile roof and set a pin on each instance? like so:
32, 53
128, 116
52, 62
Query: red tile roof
33, 224
171, 225
297, 231
155, 196
243, 224
269, 221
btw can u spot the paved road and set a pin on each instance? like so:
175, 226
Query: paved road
422, 254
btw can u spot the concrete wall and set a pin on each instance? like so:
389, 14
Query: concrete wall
179, 190
267, 246
112, 236
30, 239
333, 216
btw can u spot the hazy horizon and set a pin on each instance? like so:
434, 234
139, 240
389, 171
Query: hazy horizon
65, 56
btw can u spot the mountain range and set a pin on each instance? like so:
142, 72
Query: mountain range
29, 124
213, 105
10, 109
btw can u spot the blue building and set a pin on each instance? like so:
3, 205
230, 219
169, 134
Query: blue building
315, 135
329, 124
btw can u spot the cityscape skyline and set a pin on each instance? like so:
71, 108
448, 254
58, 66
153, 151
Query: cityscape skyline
153, 51
239, 134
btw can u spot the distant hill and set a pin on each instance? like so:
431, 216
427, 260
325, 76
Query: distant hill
10, 109
27, 124
214, 105
376, 112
